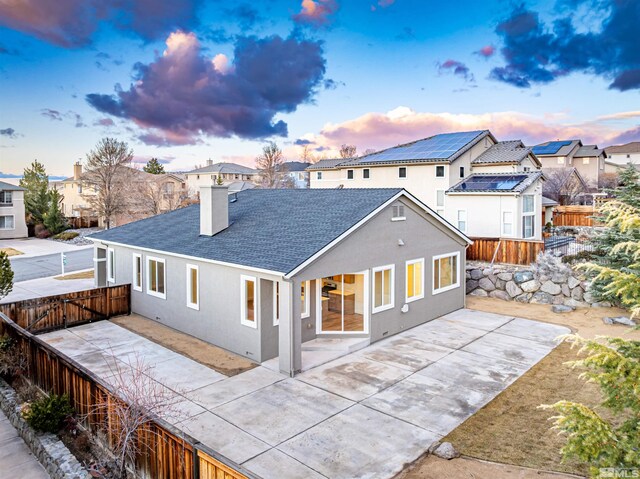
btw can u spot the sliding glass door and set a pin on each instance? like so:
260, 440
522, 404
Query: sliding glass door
343, 303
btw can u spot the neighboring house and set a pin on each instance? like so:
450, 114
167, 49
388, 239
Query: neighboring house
227, 172
547, 205
240, 186
614, 168
430, 169
12, 216
297, 173
566, 186
588, 160
624, 154
262, 272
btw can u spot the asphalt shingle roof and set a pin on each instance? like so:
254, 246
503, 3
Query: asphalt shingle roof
503, 152
327, 164
9, 187
633, 147
466, 185
229, 168
270, 229
588, 151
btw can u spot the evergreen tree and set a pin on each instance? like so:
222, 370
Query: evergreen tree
53, 218
6, 275
154, 167
35, 181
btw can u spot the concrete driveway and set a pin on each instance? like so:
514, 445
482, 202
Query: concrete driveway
363, 415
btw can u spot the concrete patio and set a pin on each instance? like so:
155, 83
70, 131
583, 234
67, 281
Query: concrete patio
365, 414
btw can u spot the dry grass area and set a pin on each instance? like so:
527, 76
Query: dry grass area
212, 356
79, 275
11, 251
511, 430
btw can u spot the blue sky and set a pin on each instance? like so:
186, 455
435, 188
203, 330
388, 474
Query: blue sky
189, 80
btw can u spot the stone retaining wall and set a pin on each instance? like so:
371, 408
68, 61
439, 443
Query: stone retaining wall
48, 449
546, 282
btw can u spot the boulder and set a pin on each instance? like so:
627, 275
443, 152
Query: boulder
513, 289
446, 451
601, 304
558, 299
561, 308
523, 298
619, 320
543, 278
486, 284
587, 297
500, 284
522, 276
505, 276
565, 289
500, 295
575, 303
551, 288
577, 293
530, 286
476, 274
471, 285
478, 292
558, 278
487, 271
572, 282
541, 298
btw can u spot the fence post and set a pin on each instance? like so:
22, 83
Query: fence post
196, 461
108, 296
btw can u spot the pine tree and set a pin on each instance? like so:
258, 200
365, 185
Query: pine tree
6, 275
53, 218
154, 167
35, 181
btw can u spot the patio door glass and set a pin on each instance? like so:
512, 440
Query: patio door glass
343, 303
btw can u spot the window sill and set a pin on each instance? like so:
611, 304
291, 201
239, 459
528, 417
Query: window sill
414, 298
399, 218
249, 324
157, 295
381, 309
445, 289
137, 288
193, 306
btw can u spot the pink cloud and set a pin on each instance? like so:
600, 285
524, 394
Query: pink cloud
487, 51
316, 13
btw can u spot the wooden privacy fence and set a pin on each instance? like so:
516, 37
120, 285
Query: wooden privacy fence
71, 309
574, 215
504, 251
165, 451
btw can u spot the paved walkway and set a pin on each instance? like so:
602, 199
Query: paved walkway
16, 460
37, 288
365, 414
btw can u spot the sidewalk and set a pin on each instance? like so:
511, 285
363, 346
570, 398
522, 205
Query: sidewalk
16, 459
37, 288
31, 247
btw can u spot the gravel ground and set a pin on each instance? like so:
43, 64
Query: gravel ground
81, 239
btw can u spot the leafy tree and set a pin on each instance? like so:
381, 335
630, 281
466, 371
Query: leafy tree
154, 167
348, 151
6, 275
270, 164
35, 181
615, 366
53, 218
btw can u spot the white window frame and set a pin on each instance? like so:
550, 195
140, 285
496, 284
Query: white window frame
353, 174
444, 171
134, 285
503, 222
406, 173
111, 265
440, 207
400, 208
409, 299
531, 214
191, 305
276, 302
14, 223
150, 292
392, 288
435, 291
243, 301
464, 230
5, 195
305, 311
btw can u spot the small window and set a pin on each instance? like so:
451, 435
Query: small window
561, 161
156, 277
197, 177
276, 303
507, 223
248, 304
137, 272
319, 175
398, 213
7, 222
304, 298
462, 172
402, 172
111, 265
445, 272
415, 280
5, 197
585, 161
193, 287
365, 173
628, 156
439, 197
439, 171
462, 220
80, 188
349, 174
528, 216
527, 169
383, 288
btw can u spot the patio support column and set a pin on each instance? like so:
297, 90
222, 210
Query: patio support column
290, 328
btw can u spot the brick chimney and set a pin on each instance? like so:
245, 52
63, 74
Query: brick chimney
214, 209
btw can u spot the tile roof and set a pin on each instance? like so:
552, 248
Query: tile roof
633, 147
496, 182
269, 229
229, 168
512, 151
9, 187
327, 164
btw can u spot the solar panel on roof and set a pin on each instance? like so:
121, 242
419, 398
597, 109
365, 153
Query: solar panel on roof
441, 146
490, 182
549, 149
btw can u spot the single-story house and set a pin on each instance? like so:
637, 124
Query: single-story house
262, 271
12, 217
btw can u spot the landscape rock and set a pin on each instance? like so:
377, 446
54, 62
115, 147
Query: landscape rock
446, 451
572, 282
575, 303
588, 297
530, 286
505, 276
558, 278
577, 293
522, 276
500, 284
476, 274
523, 298
619, 320
486, 284
479, 292
512, 288
561, 308
471, 285
487, 271
566, 290
541, 298
558, 299
500, 295
551, 288
601, 304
